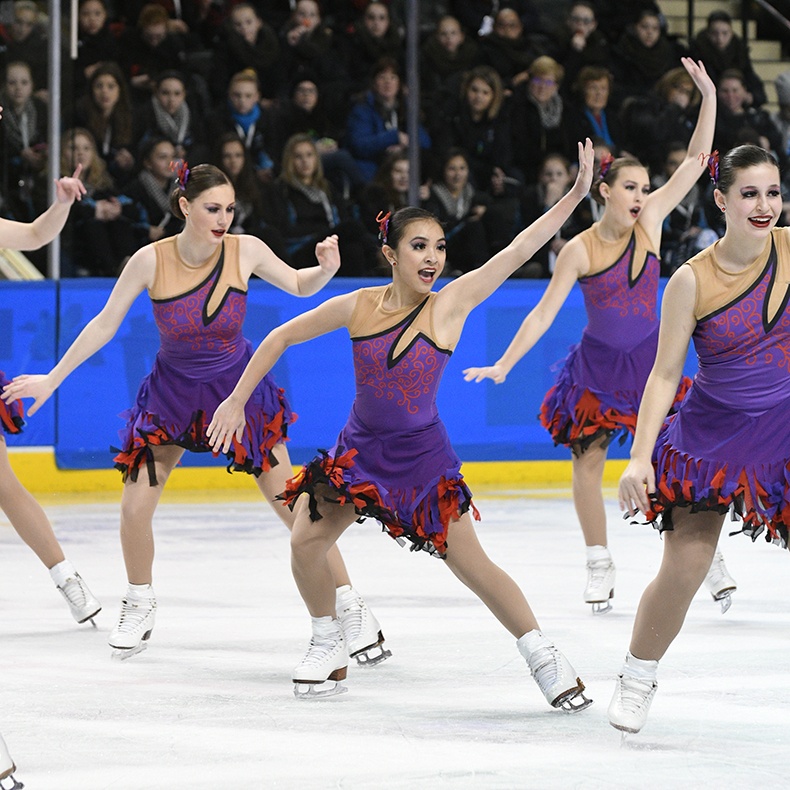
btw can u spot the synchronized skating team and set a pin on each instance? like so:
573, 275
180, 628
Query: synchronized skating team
700, 449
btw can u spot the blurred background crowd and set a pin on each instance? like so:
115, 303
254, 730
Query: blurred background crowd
302, 104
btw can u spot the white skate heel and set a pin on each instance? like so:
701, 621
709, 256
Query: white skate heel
135, 623
82, 602
361, 629
600, 585
7, 769
325, 664
720, 584
553, 673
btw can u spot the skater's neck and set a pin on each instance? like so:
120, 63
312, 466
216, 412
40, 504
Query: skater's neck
192, 251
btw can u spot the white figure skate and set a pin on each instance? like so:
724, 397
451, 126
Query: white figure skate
600, 585
361, 629
719, 582
7, 769
554, 674
136, 621
631, 702
82, 602
325, 664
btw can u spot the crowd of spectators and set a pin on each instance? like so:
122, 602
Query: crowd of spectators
303, 105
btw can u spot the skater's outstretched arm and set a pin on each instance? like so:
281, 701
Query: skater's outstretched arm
677, 324
572, 263
137, 275
660, 203
228, 419
44, 228
299, 282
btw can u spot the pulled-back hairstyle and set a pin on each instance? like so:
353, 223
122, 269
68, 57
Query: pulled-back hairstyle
400, 219
611, 175
201, 178
740, 158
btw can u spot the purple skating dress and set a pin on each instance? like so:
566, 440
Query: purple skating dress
728, 444
11, 414
600, 383
393, 459
199, 313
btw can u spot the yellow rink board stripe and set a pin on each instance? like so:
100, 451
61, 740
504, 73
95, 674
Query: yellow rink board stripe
36, 469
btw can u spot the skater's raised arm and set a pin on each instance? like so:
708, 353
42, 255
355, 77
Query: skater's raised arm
34, 235
137, 275
677, 324
460, 296
228, 420
299, 282
661, 202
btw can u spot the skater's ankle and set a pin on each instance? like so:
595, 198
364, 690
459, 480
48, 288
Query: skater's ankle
140, 591
640, 668
61, 571
597, 553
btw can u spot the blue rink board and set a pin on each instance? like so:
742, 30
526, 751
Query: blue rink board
486, 422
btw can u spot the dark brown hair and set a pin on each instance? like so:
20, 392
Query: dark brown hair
201, 178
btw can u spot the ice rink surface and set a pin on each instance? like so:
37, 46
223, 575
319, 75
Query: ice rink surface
210, 704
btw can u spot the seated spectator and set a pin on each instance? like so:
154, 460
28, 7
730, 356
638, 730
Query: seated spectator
151, 189
148, 49
106, 112
580, 43
247, 42
477, 16
250, 211
23, 142
445, 55
667, 114
374, 37
306, 211
589, 115
554, 180
169, 113
24, 41
308, 47
95, 42
643, 55
377, 123
735, 117
685, 231
720, 49
510, 50
101, 229
538, 119
242, 114
781, 118
461, 210
304, 112
429, 15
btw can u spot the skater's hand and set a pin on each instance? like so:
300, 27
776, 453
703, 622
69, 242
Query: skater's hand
228, 421
637, 483
69, 189
328, 254
702, 80
37, 387
494, 372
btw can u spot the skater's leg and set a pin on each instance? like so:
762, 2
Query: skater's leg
468, 561
271, 484
688, 552
138, 504
310, 544
26, 515
588, 468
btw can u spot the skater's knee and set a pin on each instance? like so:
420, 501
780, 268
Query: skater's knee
307, 541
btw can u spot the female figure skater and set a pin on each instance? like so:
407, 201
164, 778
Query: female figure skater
24, 513
197, 281
393, 460
616, 264
727, 444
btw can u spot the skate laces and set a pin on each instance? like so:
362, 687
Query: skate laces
320, 650
634, 695
133, 614
598, 569
352, 616
74, 591
545, 663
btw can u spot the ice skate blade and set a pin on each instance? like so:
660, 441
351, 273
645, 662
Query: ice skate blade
364, 657
313, 691
724, 599
89, 618
122, 653
566, 700
17, 785
601, 607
